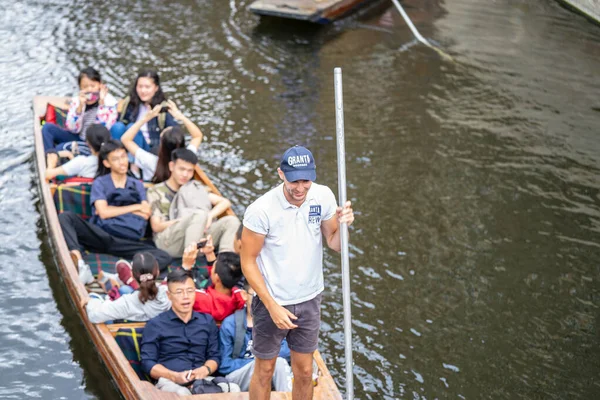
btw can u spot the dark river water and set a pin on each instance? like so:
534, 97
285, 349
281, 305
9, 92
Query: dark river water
475, 255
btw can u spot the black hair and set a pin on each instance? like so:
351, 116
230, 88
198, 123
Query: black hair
238, 234
96, 135
179, 276
134, 99
228, 268
184, 155
107, 148
91, 73
145, 263
171, 138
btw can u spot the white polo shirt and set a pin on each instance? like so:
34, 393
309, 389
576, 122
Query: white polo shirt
291, 260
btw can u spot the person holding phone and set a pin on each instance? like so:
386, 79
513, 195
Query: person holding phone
145, 94
222, 297
180, 347
93, 105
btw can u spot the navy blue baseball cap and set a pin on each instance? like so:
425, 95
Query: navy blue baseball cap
298, 164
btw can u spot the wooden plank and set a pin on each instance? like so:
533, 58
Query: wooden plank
589, 8
113, 328
307, 10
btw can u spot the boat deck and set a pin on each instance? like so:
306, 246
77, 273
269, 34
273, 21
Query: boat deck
321, 11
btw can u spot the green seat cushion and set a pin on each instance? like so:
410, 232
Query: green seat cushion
75, 198
130, 341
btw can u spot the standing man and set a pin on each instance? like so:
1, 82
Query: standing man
282, 259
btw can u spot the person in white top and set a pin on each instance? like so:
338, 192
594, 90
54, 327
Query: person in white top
143, 304
282, 259
83, 166
156, 168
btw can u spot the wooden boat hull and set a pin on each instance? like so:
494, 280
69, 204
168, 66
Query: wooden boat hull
319, 11
588, 8
101, 335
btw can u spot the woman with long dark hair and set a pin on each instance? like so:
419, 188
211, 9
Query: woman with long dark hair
149, 300
156, 168
144, 95
83, 166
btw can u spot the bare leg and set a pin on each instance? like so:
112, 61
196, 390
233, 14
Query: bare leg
302, 367
260, 385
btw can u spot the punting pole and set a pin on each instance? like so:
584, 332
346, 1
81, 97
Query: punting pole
416, 32
341, 159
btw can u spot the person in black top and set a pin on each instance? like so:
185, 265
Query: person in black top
180, 345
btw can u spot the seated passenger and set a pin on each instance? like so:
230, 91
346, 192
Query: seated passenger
156, 168
175, 225
144, 95
83, 166
94, 105
222, 297
237, 360
147, 302
180, 347
119, 212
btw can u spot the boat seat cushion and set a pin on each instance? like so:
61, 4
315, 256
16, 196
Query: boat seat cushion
55, 115
75, 198
130, 341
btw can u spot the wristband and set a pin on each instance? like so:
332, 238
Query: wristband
208, 368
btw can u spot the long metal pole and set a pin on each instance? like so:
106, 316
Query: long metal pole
341, 159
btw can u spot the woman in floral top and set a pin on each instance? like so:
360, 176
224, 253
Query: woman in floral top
93, 105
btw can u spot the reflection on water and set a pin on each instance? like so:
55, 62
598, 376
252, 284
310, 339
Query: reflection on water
475, 251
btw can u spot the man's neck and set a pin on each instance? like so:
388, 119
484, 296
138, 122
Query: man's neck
184, 317
118, 179
174, 186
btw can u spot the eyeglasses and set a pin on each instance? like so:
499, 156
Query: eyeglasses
180, 293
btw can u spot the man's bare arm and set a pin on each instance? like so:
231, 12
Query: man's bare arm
331, 227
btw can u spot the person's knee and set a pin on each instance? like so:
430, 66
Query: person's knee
66, 217
232, 221
198, 217
303, 371
183, 392
264, 370
117, 130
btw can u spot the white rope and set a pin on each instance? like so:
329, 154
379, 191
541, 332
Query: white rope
416, 32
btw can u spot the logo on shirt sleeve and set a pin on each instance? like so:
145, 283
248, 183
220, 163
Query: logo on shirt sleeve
314, 215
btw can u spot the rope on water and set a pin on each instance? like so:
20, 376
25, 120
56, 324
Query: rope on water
416, 32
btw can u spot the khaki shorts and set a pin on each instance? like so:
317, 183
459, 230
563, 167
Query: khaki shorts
267, 337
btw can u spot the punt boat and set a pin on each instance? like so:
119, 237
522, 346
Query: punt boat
110, 340
588, 8
319, 11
